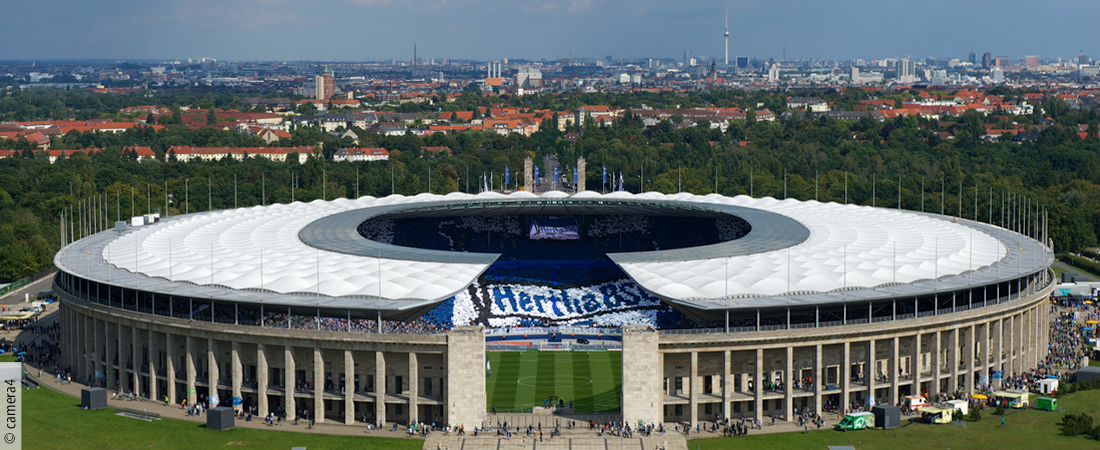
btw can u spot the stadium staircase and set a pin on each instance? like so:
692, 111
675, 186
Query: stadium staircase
580, 438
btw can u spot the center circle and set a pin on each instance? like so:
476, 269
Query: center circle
553, 381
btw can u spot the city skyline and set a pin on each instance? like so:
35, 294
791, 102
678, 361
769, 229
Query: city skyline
554, 29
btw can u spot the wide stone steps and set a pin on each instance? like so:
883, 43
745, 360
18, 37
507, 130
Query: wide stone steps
669, 441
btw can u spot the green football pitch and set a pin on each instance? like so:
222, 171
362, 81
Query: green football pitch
523, 380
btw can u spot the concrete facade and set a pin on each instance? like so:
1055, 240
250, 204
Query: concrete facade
710, 376
641, 375
328, 376
467, 401
668, 376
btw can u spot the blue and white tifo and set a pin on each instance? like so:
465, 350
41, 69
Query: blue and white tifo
615, 303
552, 259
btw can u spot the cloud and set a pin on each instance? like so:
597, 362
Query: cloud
579, 6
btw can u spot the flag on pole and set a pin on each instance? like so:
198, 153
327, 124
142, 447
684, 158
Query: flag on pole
484, 182
575, 184
555, 174
620, 181
507, 176
604, 174
536, 175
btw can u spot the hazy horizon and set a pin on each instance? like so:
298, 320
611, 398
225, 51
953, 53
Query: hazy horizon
364, 30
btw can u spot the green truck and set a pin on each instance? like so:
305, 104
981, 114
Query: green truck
1047, 404
856, 421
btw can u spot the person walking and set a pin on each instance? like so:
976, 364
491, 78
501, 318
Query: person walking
1002, 422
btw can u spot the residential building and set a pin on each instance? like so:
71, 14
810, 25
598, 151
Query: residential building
361, 154
185, 153
325, 86
815, 104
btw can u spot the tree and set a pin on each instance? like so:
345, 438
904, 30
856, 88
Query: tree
211, 117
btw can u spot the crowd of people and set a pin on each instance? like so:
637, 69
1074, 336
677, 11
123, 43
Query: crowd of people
737, 427
302, 322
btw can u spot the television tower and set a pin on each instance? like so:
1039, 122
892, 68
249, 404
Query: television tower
727, 37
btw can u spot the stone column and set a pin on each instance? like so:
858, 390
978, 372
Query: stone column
1011, 353
349, 388
982, 346
153, 359
870, 369
998, 351
953, 360
1032, 341
380, 384
235, 373
758, 384
111, 345
318, 386
971, 365
1024, 342
135, 359
664, 385
1044, 329
262, 370
414, 388
846, 373
465, 391
1031, 350
212, 373
819, 379
788, 385
289, 388
91, 339
189, 361
102, 353
937, 362
693, 389
895, 364
170, 366
727, 386
914, 365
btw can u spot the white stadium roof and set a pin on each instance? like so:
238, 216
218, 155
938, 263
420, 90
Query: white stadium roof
259, 253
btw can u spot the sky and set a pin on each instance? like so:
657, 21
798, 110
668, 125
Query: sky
368, 30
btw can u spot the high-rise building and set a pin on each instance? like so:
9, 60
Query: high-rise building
972, 58
773, 73
324, 85
687, 57
1000, 61
742, 62
907, 71
1031, 61
1083, 59
987, 60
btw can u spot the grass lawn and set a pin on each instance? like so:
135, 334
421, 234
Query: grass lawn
1025, 429
56, 421
521, 380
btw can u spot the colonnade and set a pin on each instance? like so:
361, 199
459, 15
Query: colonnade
353, 378
784, 373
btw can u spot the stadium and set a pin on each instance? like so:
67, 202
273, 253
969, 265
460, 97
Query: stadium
680, 307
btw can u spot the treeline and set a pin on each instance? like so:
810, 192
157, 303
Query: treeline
863, 162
